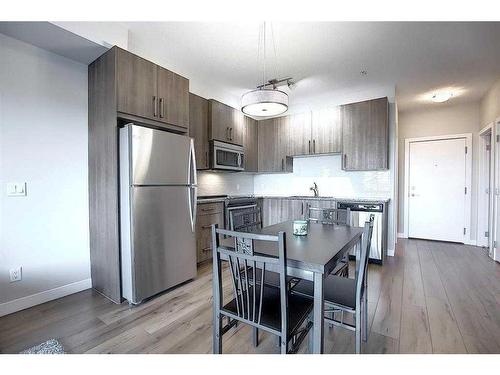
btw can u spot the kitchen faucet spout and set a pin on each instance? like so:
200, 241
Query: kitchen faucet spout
314, 189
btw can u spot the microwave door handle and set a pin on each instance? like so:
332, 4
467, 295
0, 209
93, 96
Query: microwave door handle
239, 159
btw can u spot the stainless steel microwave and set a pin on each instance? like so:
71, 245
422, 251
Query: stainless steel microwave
226, 156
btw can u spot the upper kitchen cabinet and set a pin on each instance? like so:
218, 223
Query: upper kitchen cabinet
273, 135
198, 129
225, 123
173, 98
149, 91
299, 134
136, 85
250, 144
326, 131
365, 135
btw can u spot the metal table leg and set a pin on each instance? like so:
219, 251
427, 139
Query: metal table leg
318, 314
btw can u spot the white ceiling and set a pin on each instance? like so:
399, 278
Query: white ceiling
326, 58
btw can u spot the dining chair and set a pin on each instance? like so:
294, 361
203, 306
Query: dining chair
347, 295
332, 216
263, 307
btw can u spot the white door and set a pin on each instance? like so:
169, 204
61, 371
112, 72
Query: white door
495, 248
436, 189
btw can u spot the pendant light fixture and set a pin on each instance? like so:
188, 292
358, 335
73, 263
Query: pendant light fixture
266, 100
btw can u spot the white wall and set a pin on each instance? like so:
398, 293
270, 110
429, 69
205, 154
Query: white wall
43, 141
490, 105
443, 120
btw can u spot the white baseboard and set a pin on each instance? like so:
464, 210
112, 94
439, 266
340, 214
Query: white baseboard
42, 297
471, 242
401, 235
390, 252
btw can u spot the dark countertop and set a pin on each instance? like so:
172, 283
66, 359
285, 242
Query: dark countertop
217, 199
319, 251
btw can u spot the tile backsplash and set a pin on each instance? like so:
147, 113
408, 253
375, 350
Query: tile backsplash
327, 172
217, 183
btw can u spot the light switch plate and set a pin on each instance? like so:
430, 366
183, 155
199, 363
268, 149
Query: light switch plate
16, 189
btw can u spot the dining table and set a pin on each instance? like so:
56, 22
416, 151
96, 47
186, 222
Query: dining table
313, 257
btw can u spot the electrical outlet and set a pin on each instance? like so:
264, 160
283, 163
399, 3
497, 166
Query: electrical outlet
16, 274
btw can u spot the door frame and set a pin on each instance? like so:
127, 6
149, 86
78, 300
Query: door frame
468, 179
483, 183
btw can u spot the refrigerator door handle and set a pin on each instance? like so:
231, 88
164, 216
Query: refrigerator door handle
192, 164
193, 190
192, 205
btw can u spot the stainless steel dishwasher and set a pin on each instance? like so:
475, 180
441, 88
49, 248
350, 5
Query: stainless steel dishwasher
360, 212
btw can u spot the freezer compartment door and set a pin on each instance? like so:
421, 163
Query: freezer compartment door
160, 158
164, 245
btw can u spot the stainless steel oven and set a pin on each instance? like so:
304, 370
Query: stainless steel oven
239, 205
226, 156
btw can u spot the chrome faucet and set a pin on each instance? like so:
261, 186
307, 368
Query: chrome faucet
314, 188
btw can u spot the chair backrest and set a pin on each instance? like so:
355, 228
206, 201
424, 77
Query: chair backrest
329, 215
364, 254
243, 265
245, 220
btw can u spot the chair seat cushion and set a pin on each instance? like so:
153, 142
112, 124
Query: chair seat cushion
299, 308
337, 290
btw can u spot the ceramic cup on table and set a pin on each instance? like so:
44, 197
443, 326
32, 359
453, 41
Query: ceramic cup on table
300, 227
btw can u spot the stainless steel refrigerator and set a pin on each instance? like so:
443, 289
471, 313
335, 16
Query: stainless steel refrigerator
157, 211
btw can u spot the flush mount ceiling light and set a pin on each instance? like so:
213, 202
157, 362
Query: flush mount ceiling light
441, 97
266, 100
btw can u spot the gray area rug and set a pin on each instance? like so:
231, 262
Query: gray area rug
51, 346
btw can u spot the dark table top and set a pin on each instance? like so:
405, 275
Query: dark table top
319, 251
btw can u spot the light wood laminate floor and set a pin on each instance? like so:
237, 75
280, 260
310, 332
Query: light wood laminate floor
431, 297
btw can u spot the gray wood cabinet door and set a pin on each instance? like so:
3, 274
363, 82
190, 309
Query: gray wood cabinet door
268, 145
136, 85
225, 123
251, 144
198, 129
237, 130
220, 119
299, 134
271, 211
273, 145
173, 98
326, 131
365, 135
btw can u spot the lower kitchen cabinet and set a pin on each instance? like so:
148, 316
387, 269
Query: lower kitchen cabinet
277, 210
208, 214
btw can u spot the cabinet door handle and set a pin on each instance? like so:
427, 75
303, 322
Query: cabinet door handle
206, 226
206, 249
309, 147
227, 133
231, 134
345, 160
282, 164
161, 107
314, 146
208, 209
154, 106
206, 158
